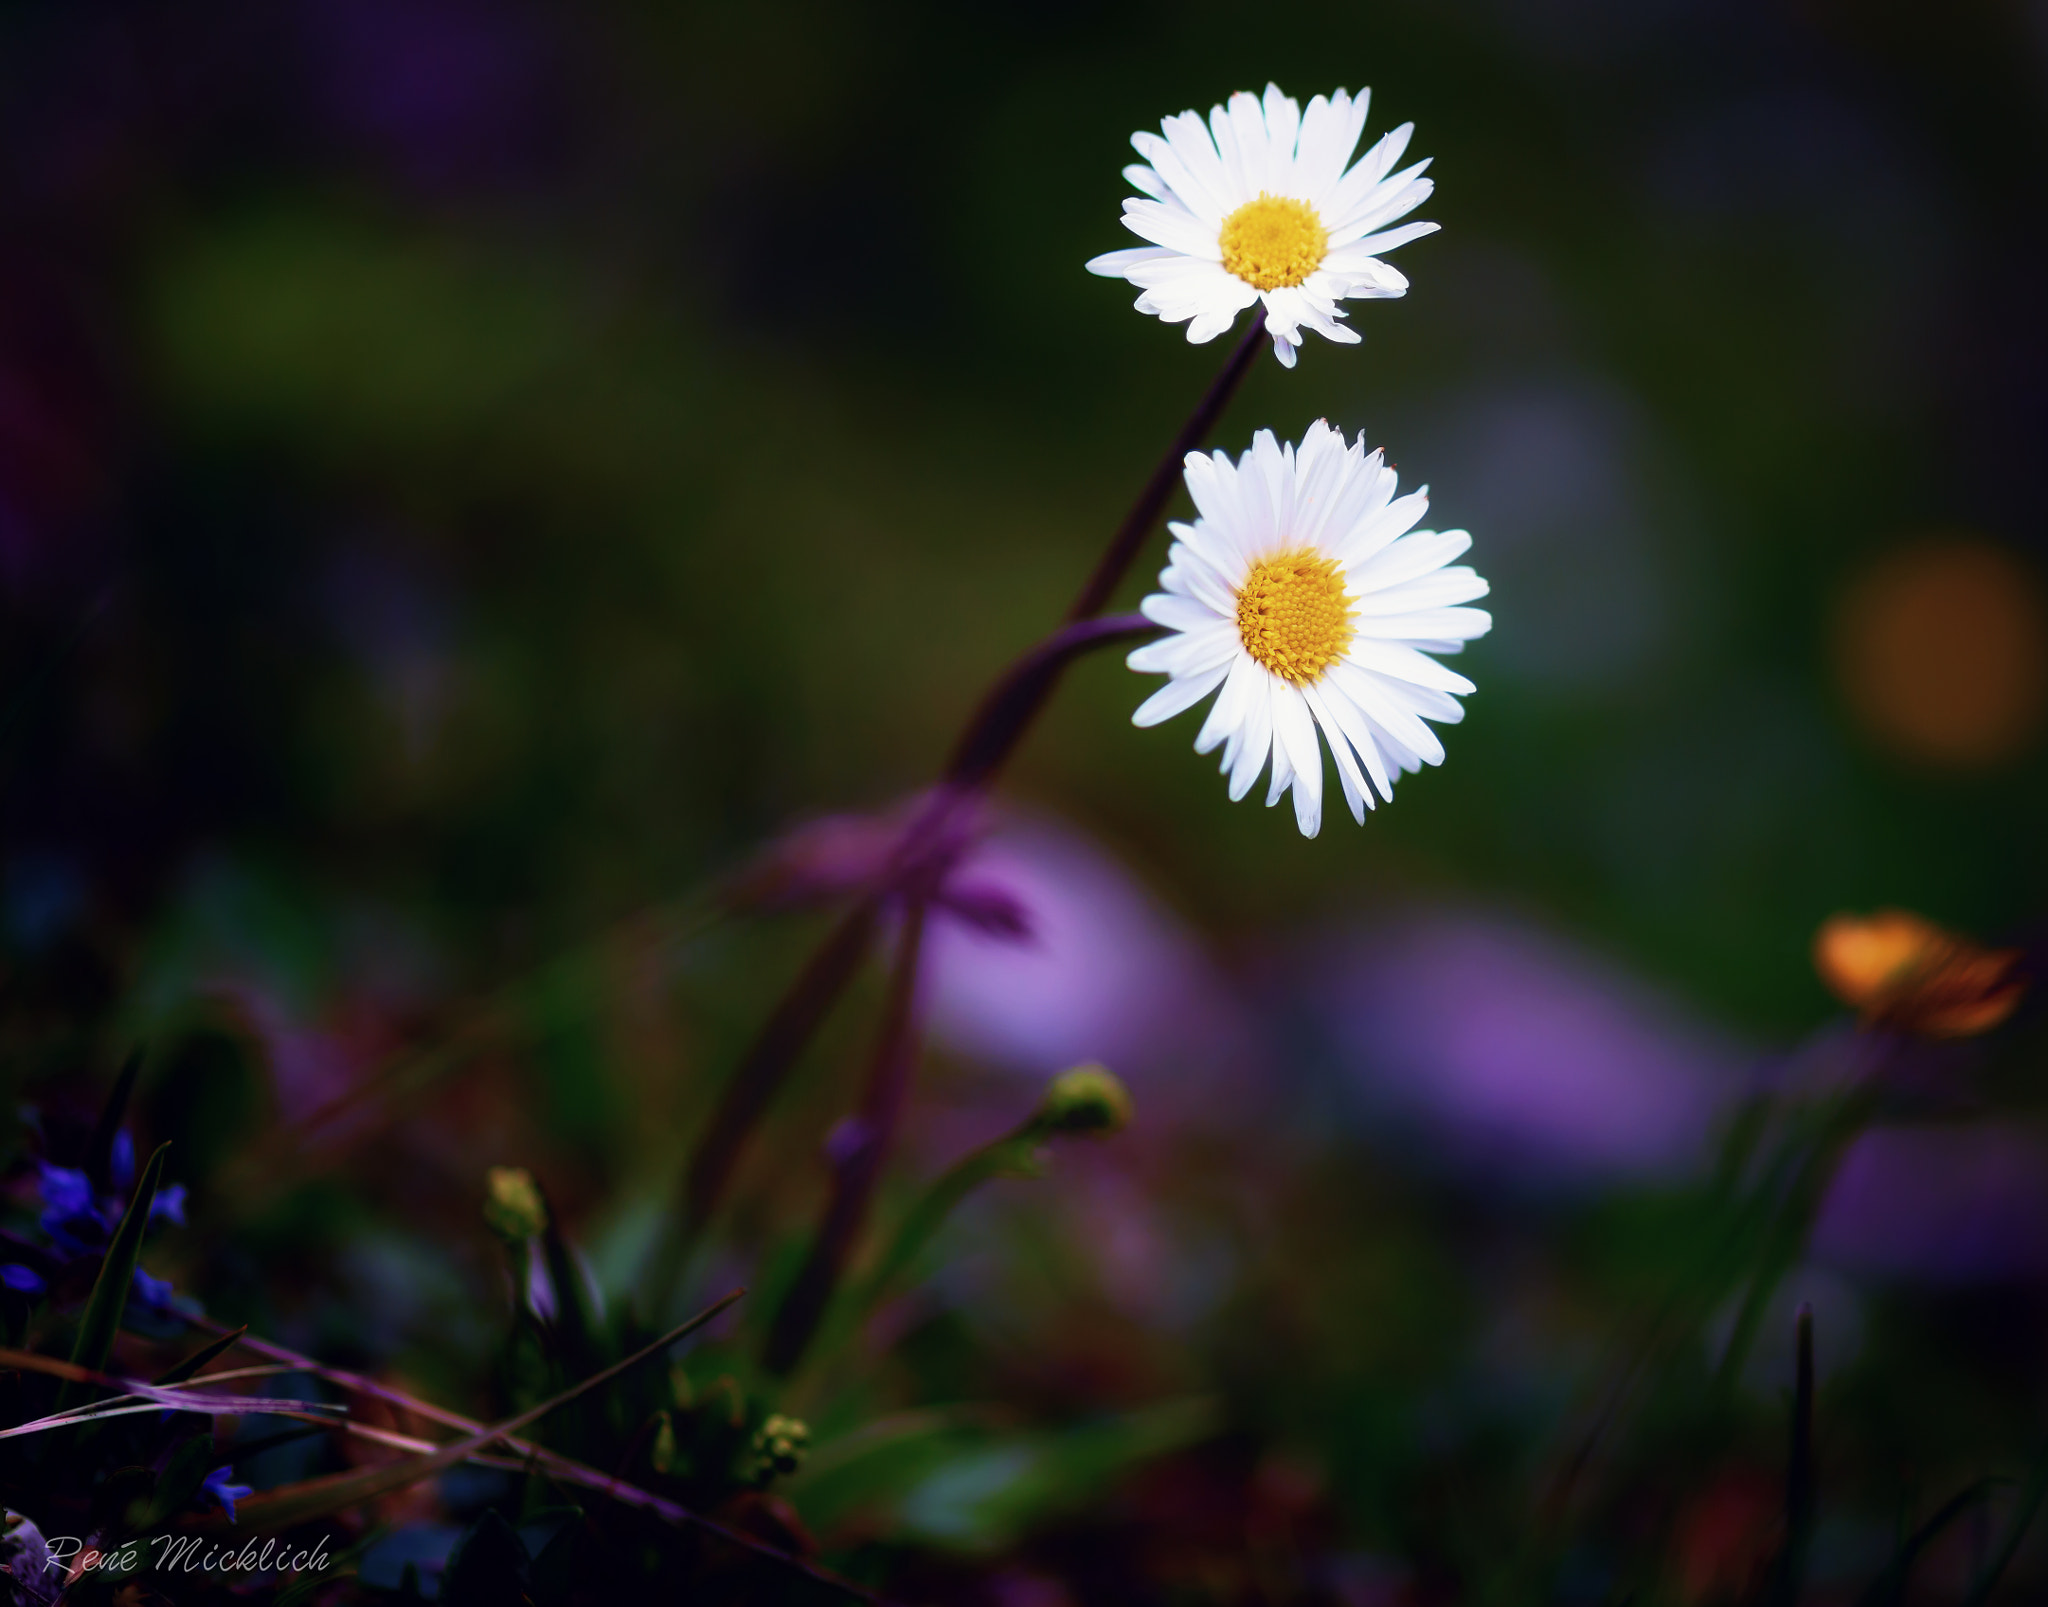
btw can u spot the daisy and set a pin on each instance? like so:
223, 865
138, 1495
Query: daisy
1305, 595
1257, 206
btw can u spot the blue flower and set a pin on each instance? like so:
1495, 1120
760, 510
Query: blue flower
24, 1279
67, 1192
71, 1216
155, 1293
169, 1204
218, 1486
121, 1163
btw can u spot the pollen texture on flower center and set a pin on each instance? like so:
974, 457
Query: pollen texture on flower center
1273, 241
1294, 614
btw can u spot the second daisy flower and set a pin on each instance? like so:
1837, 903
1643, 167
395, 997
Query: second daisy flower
1305, 598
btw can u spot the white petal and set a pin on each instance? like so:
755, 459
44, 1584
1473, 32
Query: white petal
1402, 661
1383, 525
1296, 730
1357, 794
1398, 721
1429, 625
1227, 713
1358, 730
1191, 653
1168, 225
1367, 247
1188, 137
1178, 695
1283, 127
1141, 177
1442, 588
1254, 735
1282, 776
1117, 264
1177, 613
1414, 554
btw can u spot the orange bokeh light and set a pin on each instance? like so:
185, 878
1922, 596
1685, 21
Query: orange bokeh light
1941, 650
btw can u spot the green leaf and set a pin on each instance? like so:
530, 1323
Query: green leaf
200, 1357
940, 1478
988, 1498
109, 1299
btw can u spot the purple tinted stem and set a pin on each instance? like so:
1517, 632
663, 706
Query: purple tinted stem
858, 1166
992, 736
760, 1075
1013, 702
1132, 534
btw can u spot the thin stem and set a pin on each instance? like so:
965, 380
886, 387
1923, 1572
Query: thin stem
757, 1079
858, 1166
1131, 535
1009, 707
1799, 1477
992, 736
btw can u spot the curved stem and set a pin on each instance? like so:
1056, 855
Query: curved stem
991, 738
1011, 705
1130, 537
865, 1150
756, 1080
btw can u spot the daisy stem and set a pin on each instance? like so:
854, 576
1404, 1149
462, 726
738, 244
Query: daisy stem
757, 1079
857, 1167
999, 724
1001, 720
1136, 529
1009, 707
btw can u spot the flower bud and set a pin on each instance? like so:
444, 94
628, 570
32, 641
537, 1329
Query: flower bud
1087, 1099
663, 1454
513, 1205
1902, 971
779, 1447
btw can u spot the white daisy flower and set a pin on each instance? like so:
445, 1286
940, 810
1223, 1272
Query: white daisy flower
1303, 592
1257, 205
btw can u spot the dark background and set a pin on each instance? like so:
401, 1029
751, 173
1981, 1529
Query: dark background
470, 474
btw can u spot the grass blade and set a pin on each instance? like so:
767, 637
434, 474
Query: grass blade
2031, 1496
313, 1498
1889, 1588
99, 1154
109, 1297
200, 1357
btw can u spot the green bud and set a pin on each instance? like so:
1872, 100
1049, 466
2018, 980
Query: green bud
1087, 1099
512, 1204
779, 1447
663, 1452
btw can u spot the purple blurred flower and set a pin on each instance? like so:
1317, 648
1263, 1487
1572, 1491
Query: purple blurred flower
169, 1204
1523, 1053
220, 1486
1107, 974
66, 1191
154, 1293
71, 1217
1959, 1204
24, 1280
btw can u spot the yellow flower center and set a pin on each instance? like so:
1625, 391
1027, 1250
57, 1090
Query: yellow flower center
1273, 241
1294, 614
